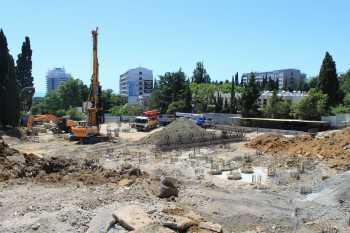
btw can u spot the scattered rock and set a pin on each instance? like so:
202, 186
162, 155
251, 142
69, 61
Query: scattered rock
215, 172
154, 228
210, 226
234, 176
179, 223
168, 181
167, 191
134, 172
35, 226
132, 217
125, 182
247, 170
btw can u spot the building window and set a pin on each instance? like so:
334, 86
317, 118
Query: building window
140, 73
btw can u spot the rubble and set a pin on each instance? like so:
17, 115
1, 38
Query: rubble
210, 226
167, 187
14, 165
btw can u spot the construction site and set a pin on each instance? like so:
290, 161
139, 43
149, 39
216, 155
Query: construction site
177, 178
182, 173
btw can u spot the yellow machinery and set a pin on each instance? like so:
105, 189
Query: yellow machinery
89, 132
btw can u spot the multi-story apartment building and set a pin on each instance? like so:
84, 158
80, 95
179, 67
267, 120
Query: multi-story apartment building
136, 85
55, 78
286, 78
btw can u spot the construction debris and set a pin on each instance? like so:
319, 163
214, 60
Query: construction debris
14, 164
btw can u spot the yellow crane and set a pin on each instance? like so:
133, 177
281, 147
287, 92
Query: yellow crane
89, 132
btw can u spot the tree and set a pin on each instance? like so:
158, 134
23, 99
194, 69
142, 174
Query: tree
12, 105
188, 97
200, 74
219, 102
173, 86
249, 97
74, 114
9, 101
313, 82
109, 99
236, 79
328, 81
127, 110
272, 85
344, 84
176, 106
53, 103
24, 72
347, 100
4, 61
276, 107
233, 100
312, 106
73, 93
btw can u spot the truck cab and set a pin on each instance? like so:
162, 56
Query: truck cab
147, 122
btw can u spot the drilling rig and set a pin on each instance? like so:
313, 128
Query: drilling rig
88, 132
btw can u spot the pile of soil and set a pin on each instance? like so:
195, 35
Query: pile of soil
16, 165
334, 147
181, 130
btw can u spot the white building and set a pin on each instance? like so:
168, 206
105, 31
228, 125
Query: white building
286, 78
137, 85
55, 78
294, 96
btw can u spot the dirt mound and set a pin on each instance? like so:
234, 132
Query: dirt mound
179, 131
334, 147
14, 165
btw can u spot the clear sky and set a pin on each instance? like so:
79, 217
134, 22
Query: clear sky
163, 35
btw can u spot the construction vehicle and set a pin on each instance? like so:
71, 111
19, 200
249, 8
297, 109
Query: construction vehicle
199, 119
89, 131
30, 121
148, 121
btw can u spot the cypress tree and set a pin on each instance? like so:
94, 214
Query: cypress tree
24, 73
233, 101
200, 74
24, 65
249, 98
4, 61
328, 81
236, 79
12, 105
9, 102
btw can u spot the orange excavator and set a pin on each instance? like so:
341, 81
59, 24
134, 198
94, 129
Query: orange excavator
88, 132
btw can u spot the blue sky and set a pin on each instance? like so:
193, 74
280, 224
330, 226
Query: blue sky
228, 35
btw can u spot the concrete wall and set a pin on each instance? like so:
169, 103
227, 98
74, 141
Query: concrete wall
222, 118
339, 120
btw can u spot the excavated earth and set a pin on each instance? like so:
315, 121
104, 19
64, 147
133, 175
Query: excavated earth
58, 186
333, 148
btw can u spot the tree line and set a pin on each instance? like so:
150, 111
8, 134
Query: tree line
327, 93
16, 82
70, 95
